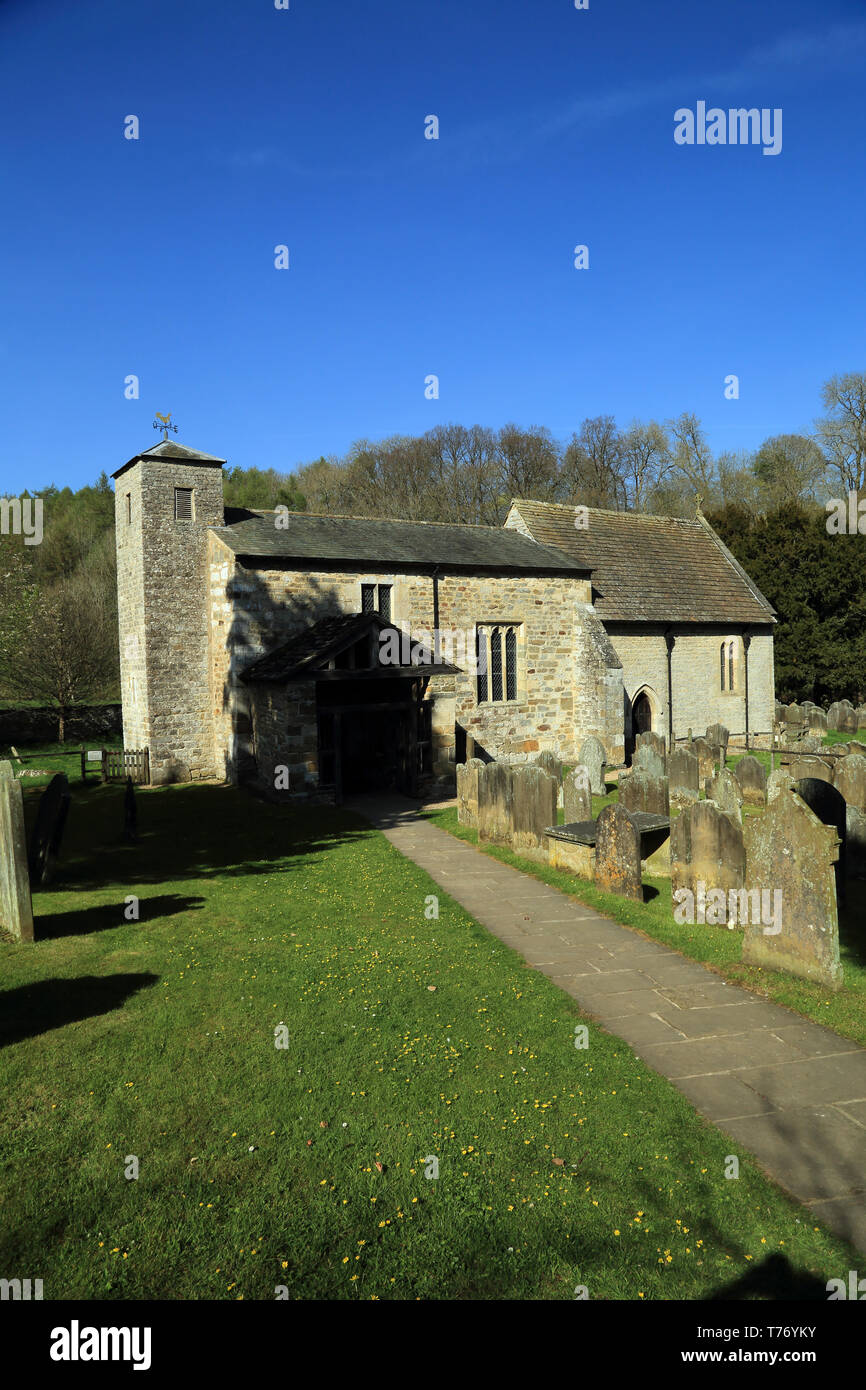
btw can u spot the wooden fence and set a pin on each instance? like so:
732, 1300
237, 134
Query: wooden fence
118, 764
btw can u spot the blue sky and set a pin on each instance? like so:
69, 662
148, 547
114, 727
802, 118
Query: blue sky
411, 257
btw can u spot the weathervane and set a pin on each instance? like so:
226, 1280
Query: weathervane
165, 424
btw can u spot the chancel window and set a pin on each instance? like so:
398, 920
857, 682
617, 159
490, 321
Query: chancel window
727, 662
376, 598
496, 662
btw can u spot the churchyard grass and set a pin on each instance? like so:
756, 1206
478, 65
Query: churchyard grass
717, 947
409, 1038
50, 758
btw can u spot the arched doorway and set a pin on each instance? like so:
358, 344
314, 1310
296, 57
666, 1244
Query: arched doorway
642, 714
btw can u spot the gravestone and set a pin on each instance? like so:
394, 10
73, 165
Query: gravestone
753, 781
648, 760
467, 791
577, 796
706, 761
842, 717
494, 803
850, 780
781, 715
685, 777
794, 716
533, 810
641, 791
47, 833
593, 757
808, 766
707, 853
727, 793
816, 720
777, 780
789, 851
654, 741
16, 908
861, 717
718, 738
130, 814
617, 853
828, 804
550, 762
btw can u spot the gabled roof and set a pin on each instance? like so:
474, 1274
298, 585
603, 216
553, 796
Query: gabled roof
306, 656
170, 449
653, 569
379, 543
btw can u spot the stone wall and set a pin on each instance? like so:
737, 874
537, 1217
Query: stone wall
698, 699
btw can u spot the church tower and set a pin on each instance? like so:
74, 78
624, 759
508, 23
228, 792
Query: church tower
165, 500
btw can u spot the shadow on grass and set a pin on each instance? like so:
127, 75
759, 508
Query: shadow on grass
189, 831
775, 1279
29, 1010
104, 917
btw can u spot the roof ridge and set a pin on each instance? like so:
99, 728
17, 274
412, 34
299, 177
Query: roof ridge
604, 511
351, 516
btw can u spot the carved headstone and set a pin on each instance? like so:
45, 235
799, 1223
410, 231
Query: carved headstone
656, 742
706, 760
617, 853
718, 738
494, 803
685, 777
577, 796
727, 793
593, 757
16, 908
707, 853
647, 759
533, 810
467, 791
791, 853
752, 778
47, 833
640, 791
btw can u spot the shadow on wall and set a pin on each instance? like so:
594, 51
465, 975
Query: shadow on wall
261, 622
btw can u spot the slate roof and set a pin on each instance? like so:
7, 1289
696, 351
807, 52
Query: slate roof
306, 653
653, 569
170, 449
380, 543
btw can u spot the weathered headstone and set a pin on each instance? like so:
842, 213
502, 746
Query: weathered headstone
533, 810
809, 766
861, 717
776, 781
718, 738
47, 834
816, 720
494, 803
617, 853
641, 791
649, 760
685, 777
550, 762
752, 778
707, 855
828, 804
467, 791
656, 742
706, 761
842, 717
16, 908
727, 793
794, 716
593, 757
790, 853
577, 796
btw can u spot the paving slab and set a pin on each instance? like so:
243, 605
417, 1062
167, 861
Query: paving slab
790, 1091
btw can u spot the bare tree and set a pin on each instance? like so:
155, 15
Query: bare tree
842, 431
646, 461
593, 465
527, 464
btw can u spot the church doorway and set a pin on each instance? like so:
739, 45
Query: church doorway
642, 714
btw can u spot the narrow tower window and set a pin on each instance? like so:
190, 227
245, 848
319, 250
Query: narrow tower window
183, 504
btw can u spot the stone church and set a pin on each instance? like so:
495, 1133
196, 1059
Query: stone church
328, 655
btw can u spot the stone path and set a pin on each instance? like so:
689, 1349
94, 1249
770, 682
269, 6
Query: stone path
790, 1091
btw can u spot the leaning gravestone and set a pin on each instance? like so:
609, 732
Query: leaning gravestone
790, 852
641, 791
16, 908
707, 853
593, 757
706, 761
494, 803
753, 781
685, 778
577, 796
467, 791
718, 738
617, 853
727, 793
533, 810
47, 833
